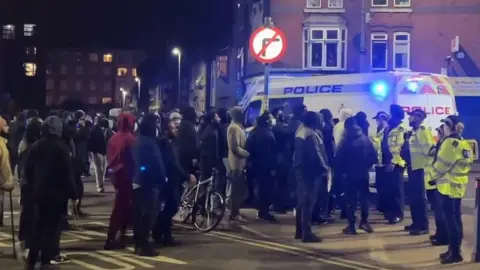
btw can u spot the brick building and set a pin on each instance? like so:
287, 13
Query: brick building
324, 35
95, 76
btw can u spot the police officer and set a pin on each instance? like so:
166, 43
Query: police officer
440, 238
382, 122
393, 138
450, 173
420, 142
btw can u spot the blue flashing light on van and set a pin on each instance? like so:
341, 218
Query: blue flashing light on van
379, 90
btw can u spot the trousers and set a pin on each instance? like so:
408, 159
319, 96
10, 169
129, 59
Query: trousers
307, 193
418, 199
453, 219
121, 215
435, 200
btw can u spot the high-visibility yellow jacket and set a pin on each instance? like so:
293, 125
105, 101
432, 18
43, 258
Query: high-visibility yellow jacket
395, 142
451, 167
429, 168
377, 140
420, 143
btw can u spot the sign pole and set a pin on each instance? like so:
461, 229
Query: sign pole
268, 24
476, 245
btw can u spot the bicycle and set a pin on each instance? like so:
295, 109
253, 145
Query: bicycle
198, 201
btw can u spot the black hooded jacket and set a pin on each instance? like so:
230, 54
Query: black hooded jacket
188, 143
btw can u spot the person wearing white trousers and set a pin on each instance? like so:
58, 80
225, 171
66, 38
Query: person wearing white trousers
100, 166
97, 145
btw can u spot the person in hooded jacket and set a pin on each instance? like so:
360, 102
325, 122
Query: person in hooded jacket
120, 169
262, 148
280, 130
209, 145
171, 194
354, 158
188, 142
49, 175
362, 122
311, 167
237, 159
97, 145
148, 181
221, 183
339, 129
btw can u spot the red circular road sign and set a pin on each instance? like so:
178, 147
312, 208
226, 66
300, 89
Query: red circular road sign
268, 45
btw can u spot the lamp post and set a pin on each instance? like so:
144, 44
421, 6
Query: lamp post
178, 53
124, 96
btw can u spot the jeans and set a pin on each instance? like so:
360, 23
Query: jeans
418, 200
146, 205
100, 165
265, 186
236, 191
307, 193
357, 192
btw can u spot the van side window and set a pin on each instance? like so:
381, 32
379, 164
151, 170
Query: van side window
252, 112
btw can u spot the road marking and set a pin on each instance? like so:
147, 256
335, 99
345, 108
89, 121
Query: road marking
124, 257
291, 250
124, 266
76, 235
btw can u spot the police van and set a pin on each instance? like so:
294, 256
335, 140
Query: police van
367, 92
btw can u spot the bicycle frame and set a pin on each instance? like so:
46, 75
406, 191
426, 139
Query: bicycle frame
196, 188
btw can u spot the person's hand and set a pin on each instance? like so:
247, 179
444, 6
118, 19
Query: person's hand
192, 180
389, 168
432, 182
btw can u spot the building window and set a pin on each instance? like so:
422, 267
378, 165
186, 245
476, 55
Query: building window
379, 3
8, 31
402, 3
122, 72
93, 86
30, 69
63, 69
50, 84
93, 57
335, 3
78, 70
378, 51
325, 48
48, 100
134, 72
401, 51
107, 58
107, 86
48, 70
222, 66
78, 85
92, 100
28, 30
30, 50
107, 71
63, 85
314, 3
106, 100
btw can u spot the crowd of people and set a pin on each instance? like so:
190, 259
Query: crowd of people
307, 161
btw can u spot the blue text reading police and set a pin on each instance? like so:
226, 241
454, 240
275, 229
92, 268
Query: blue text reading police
318, 89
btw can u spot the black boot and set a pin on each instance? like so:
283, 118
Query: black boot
350, 230
364, 225
453, 257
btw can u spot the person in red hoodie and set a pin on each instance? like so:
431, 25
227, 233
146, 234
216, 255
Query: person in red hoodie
121, 170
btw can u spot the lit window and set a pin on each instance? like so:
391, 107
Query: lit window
313, 3
107, 86
78, 85
379, 3
50, 84
335, 3
79, 70
134, 72
30, 69
93, 57
92, 100
63, 85
122, 72
325, 48
222, 66
106, 100
63, 69
107, 71
8, 31
402, 3
30, 50
93, 86
378, 49
401, 51
28, 30
107, 58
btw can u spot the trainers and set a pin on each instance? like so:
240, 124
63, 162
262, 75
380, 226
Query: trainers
60, 259
101, 190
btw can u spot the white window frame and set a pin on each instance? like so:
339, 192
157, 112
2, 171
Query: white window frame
401, 42
376, 5
340, 54
402, 6
372, 41
310, 6
331, 6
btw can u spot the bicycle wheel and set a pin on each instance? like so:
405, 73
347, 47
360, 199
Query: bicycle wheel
185, 209
209, 213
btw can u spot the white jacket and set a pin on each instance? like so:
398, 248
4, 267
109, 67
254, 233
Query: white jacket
339, 128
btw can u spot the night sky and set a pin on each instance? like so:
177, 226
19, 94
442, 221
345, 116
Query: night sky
153, 25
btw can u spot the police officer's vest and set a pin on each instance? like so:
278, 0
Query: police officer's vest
395, 142
377, 140
420, 142
452, 165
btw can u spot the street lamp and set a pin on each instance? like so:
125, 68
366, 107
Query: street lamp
178, 53
124, 96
